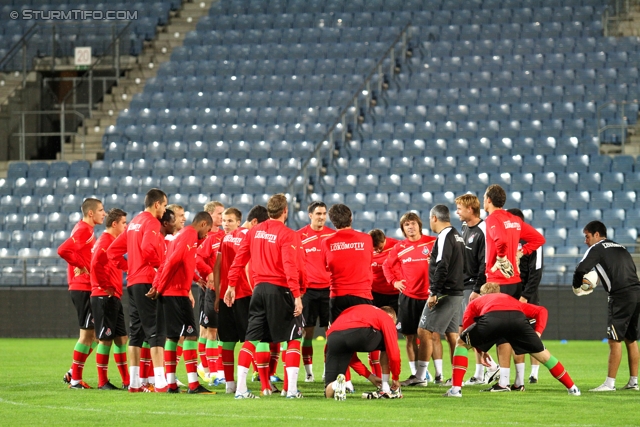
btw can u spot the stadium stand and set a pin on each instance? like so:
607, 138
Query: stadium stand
498, 91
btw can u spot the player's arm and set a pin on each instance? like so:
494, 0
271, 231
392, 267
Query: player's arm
534, 274
436, 283
496, 233
390, 337
533, 238
171, 264
481, 274
150, 249
289, 254
99, 261
536, 312
203, 264
116, 251
216, 275
392, 270
243, 255
589, 261
70, 249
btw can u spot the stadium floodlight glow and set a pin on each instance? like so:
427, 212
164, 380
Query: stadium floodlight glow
166, 110
200, 94
207, 110
173, 127
194, 127
233, 78
137, 80
176, 34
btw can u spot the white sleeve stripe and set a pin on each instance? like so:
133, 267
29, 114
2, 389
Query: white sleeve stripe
603, 275
441, 238
539, 258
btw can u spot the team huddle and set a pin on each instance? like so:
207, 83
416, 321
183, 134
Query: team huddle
267, 287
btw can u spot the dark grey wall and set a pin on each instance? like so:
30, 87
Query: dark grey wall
48, 312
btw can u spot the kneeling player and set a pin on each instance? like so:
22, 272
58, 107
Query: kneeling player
362, 328
173, 282
496, 316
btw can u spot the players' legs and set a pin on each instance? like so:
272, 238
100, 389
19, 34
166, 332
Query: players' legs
504, 360
425, 351
307, 352
437, 356
518, 360
632, 356
412, 351
556, 369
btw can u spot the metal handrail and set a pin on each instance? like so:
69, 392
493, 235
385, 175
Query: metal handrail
376, 69
623, 126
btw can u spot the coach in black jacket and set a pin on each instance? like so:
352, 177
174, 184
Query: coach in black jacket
617, 273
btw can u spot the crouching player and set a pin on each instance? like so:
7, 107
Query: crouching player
494, 316
363, 328
173, 282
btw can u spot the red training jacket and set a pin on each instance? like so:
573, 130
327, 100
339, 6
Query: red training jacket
317, 274
412, 258
177, 272
348, 255
145, 248
228, 248
104, 273
503, 234
76, 251
380, 283
368, 316
208, 251
274, 251
502, 302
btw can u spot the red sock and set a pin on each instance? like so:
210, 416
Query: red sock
178, 353
245, 357
121, 363
274, 348
211, 359
374, 361
561, 375
102, 361
293, 353
145, 360
460, 364
218, 365
262, 360
227, 364
170, 364
80, 354
191, 363
307, 355
202, 352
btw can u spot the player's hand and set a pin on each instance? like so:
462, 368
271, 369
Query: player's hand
216, 305
375, 380
202, 284
107, 291
432, 301
395, 384
210, 283
504, 265
486, 357
153, 294
297, 311
400, 285
539, 334
473, 296
192, 299
524, 300
230, 296
519, 255
79, 271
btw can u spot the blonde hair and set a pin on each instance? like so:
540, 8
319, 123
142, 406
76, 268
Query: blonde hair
469, 201
490, 288
391, 312
210, 207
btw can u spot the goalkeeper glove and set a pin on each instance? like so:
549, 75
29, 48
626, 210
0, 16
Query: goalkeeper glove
504, 265
581, 292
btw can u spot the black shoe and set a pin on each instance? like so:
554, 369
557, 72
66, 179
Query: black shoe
496, 388
200, 390
517, 387
173, 390
108, 386
438, 380
67, 378
533, 380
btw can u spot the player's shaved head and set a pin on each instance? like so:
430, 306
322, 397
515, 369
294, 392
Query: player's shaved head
202, 216
90, 204
490, 288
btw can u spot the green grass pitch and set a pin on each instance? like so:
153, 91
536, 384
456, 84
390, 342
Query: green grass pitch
32, 393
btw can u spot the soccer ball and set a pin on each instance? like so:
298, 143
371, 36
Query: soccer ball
590, 280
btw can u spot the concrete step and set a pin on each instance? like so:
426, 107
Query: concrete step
130, 88
196, 5
173, 35
70, 157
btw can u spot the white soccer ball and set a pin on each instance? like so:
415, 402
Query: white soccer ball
590, 280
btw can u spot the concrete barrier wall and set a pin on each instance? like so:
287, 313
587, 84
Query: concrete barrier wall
47, 312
